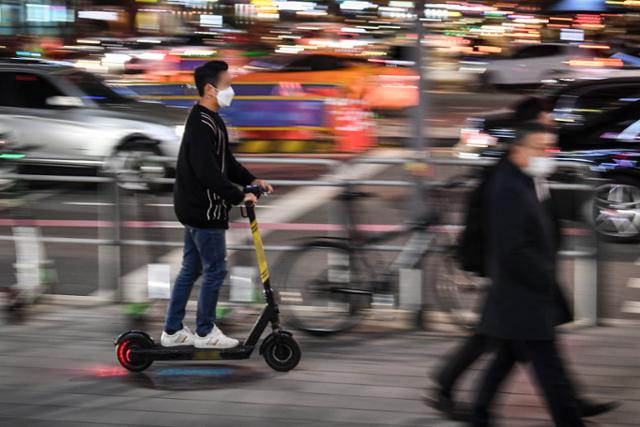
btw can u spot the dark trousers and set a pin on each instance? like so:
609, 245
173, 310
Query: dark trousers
457, 363
549, 371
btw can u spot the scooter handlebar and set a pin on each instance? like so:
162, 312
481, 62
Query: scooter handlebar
255, 190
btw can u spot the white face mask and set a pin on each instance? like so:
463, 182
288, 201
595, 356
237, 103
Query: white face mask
541, 167
225, 97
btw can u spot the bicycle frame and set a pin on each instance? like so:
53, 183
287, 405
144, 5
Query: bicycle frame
351, 256
420, 242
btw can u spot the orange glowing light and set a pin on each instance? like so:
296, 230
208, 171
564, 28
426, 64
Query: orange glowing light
597, 63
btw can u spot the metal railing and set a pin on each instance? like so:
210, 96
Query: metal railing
585, 285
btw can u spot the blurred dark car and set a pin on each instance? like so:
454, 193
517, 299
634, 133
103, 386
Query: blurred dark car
599, 126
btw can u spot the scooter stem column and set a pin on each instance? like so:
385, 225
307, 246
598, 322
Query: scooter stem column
257, 243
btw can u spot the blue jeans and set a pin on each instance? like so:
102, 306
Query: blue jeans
204, 253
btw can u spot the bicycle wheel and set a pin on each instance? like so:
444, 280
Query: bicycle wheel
458, 292
323, 289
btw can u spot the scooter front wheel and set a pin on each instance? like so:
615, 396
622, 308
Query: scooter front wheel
283, 357
125, 350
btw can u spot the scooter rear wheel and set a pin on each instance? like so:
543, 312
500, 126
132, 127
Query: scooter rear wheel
284, 357
124, 353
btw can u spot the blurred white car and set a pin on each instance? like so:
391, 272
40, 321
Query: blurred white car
536, 63
61, 112
629, 66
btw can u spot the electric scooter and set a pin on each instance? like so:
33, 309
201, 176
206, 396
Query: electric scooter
136, 350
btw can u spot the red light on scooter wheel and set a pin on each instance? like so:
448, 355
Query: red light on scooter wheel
123, 352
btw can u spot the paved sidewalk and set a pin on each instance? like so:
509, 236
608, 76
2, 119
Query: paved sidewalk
59, 369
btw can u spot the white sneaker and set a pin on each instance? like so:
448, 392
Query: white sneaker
183, 337
215, 339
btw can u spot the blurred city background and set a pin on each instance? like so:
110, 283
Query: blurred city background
366, 116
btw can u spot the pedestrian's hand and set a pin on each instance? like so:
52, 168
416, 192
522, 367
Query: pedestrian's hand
250, 198
264, 185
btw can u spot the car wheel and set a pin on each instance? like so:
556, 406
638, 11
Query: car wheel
135, 169
7, 169
486, 82
616, 210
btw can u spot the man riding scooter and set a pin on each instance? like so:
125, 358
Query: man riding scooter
204, 192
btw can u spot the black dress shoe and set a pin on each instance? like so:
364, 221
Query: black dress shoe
463, 412
443, 403
587, 408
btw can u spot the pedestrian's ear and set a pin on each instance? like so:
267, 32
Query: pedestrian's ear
210, 90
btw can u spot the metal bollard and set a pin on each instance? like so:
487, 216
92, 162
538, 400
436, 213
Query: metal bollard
411, 289
109, 253
243, 287
585, 290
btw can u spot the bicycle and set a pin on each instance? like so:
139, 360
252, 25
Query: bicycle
330, 281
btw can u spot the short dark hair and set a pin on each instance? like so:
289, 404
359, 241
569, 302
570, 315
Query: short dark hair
528, 128
530, 108
209, 73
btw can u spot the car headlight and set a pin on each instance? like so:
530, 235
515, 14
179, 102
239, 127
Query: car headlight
179, 131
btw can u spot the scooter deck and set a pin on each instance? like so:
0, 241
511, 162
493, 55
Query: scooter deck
188, 352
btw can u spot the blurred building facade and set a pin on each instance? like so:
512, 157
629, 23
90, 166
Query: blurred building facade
466, 27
